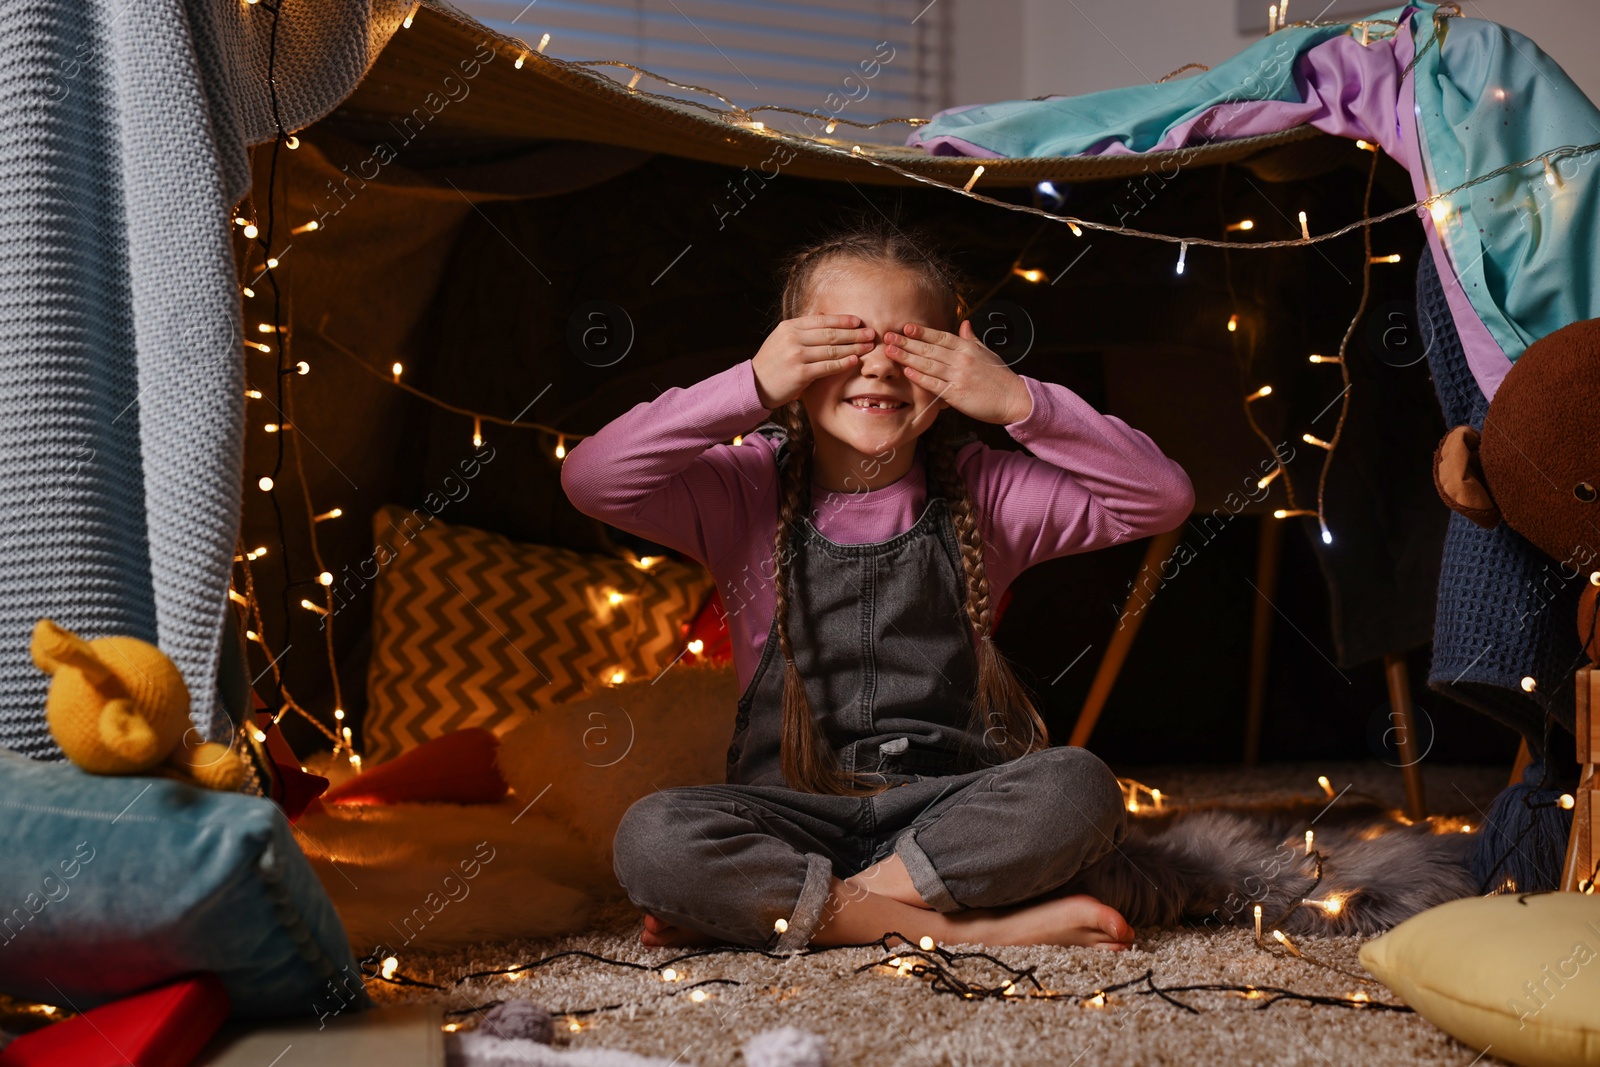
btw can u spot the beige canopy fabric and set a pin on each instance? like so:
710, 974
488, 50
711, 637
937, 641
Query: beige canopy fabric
550, 98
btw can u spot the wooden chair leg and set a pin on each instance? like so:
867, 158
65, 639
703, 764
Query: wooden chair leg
1128, 623
1524, 757
1405, 727
1270, 538
1583, 845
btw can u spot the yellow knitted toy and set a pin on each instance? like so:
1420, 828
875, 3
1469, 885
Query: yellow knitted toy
118, 705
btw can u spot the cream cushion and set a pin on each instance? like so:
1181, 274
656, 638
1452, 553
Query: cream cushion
1518, 974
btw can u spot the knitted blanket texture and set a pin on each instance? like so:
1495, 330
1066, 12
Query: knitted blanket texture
125, 130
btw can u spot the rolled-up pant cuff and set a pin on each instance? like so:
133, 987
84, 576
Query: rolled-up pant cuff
807, 913
929, 886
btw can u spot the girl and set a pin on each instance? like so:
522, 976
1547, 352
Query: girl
887, 770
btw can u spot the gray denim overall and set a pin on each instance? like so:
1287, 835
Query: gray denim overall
881, 637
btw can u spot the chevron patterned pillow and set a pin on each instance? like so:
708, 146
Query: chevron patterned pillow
470, 628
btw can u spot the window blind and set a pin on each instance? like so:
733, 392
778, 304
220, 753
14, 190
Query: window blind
838, 58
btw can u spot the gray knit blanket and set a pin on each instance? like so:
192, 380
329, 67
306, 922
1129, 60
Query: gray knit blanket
125, 129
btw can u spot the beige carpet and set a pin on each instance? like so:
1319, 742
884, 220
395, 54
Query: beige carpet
882, 1019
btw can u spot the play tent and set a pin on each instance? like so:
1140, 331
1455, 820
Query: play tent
442, 235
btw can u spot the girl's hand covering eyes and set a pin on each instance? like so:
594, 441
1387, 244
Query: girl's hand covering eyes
799, 351
961, 371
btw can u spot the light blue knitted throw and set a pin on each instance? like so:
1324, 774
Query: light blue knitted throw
123, 134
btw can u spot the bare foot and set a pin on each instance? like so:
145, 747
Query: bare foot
658, 934
1073, 920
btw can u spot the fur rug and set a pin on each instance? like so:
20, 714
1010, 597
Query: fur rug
1211, 865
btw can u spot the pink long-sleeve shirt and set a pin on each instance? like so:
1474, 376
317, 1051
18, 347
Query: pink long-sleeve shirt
664, 471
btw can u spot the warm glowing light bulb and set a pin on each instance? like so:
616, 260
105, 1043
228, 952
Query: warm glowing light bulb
1566, 801
1031, 274
669, 975
561, 447
925, 943
265, 483
1327, 786
326, 578
395, 370
1309, 835
542, 42
258, 735
781, 925
338, 713
618, 676
1242, 224
302, 367
391, 964
272, 264
1183, 254
405, 23
1076, 230
1529, 685
250, 230
520, 58
1233, 323
696, 646
698, 995
1305, 231
738, 440
1440, 210
614, 597
574, 1026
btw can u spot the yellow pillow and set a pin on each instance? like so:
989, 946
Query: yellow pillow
1516, 974
470, 628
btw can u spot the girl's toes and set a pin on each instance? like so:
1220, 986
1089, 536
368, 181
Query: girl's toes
1116, 927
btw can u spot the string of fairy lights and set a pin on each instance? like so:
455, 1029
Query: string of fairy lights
274, 328
942, 968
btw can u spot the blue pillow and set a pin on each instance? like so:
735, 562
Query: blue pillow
110, 885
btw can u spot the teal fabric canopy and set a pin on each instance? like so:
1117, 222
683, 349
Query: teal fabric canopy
1516, 251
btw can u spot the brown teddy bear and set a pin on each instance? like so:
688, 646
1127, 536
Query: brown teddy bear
1536, 465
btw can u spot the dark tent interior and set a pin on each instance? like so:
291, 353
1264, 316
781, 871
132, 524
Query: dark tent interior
472, 216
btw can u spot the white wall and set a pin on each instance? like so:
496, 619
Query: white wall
1013, 49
